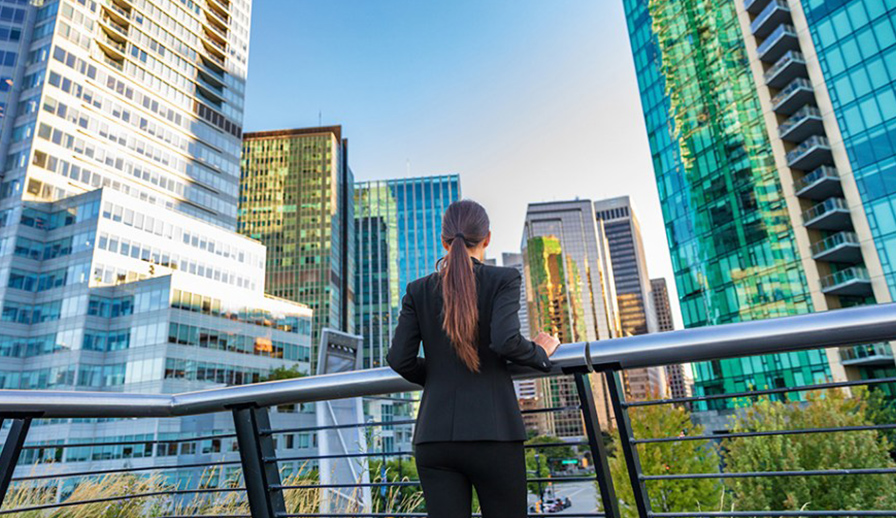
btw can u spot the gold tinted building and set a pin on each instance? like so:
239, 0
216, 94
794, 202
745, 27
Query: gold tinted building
296, 195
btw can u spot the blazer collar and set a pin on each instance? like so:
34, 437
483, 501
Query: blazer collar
475, 261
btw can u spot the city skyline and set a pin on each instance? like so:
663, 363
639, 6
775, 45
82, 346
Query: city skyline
397, 96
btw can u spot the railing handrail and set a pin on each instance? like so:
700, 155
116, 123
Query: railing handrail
815, 330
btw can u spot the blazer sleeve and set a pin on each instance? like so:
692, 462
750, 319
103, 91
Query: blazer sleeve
402, 355
505, 332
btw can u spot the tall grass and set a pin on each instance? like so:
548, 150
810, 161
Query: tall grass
101, 497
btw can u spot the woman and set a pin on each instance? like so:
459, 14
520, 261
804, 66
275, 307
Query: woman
469, 430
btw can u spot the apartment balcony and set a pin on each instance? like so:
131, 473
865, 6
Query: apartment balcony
842, 247
867, 355
112, 48
853, 282
213, 93
118, 31
774, 14
831, 214
781, 40
811, 153
805, 122
212, 78
120, 15
791, 66
820, 184
755, 6
222, 5
797, 93
212, 67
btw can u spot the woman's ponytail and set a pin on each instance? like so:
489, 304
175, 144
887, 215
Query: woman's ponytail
465, 224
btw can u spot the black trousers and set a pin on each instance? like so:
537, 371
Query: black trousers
449, 470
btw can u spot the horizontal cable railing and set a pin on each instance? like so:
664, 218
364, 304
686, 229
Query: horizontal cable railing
265, 482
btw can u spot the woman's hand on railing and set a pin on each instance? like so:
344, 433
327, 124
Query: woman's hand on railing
547, 342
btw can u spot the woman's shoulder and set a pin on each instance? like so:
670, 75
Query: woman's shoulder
504, 273
427, 282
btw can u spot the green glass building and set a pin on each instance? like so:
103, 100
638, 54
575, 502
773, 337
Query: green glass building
772, 126
734, 253
296, 197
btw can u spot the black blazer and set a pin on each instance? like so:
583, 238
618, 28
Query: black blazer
458, 404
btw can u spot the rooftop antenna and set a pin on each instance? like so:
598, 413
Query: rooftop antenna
319, 116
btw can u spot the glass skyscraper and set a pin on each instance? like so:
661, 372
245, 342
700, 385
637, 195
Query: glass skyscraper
296, 197
398, 224
767, 127
571, 293
632, 285
120, 267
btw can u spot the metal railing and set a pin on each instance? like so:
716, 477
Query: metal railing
264, 490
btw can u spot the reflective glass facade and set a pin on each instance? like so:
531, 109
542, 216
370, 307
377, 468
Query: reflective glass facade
296, 197
120, 267
398, 224
423, 201
732, 243
570, 292
856, 45
397, 227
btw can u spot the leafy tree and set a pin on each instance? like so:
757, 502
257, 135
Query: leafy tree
846, 450
668, 458
285, 373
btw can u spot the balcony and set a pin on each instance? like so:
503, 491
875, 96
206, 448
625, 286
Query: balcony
799, 126
781, 40
774, 14
254, 441
867, 355
791, 66
853, 282
221, 5
112, 48
842, 247
811, 153
755, 6
820, 184
121, 16
212, 93
797, 93
831, 214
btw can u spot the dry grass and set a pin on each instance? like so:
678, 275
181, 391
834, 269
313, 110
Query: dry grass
102, 496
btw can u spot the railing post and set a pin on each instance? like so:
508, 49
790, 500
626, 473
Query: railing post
598, 449
12, 448
261, 475
626, 436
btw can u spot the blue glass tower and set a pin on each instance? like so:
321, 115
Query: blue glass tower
397, 227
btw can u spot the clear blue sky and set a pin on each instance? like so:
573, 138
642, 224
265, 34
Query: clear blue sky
528, 100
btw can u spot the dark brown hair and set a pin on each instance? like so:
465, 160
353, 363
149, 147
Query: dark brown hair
465, 224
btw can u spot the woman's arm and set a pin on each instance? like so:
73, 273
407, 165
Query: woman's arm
402, 355
505, 332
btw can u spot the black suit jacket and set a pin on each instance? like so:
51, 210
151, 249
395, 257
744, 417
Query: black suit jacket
458, 404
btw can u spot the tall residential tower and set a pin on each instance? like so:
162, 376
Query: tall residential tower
771, 147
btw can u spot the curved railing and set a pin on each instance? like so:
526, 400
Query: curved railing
264, 488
